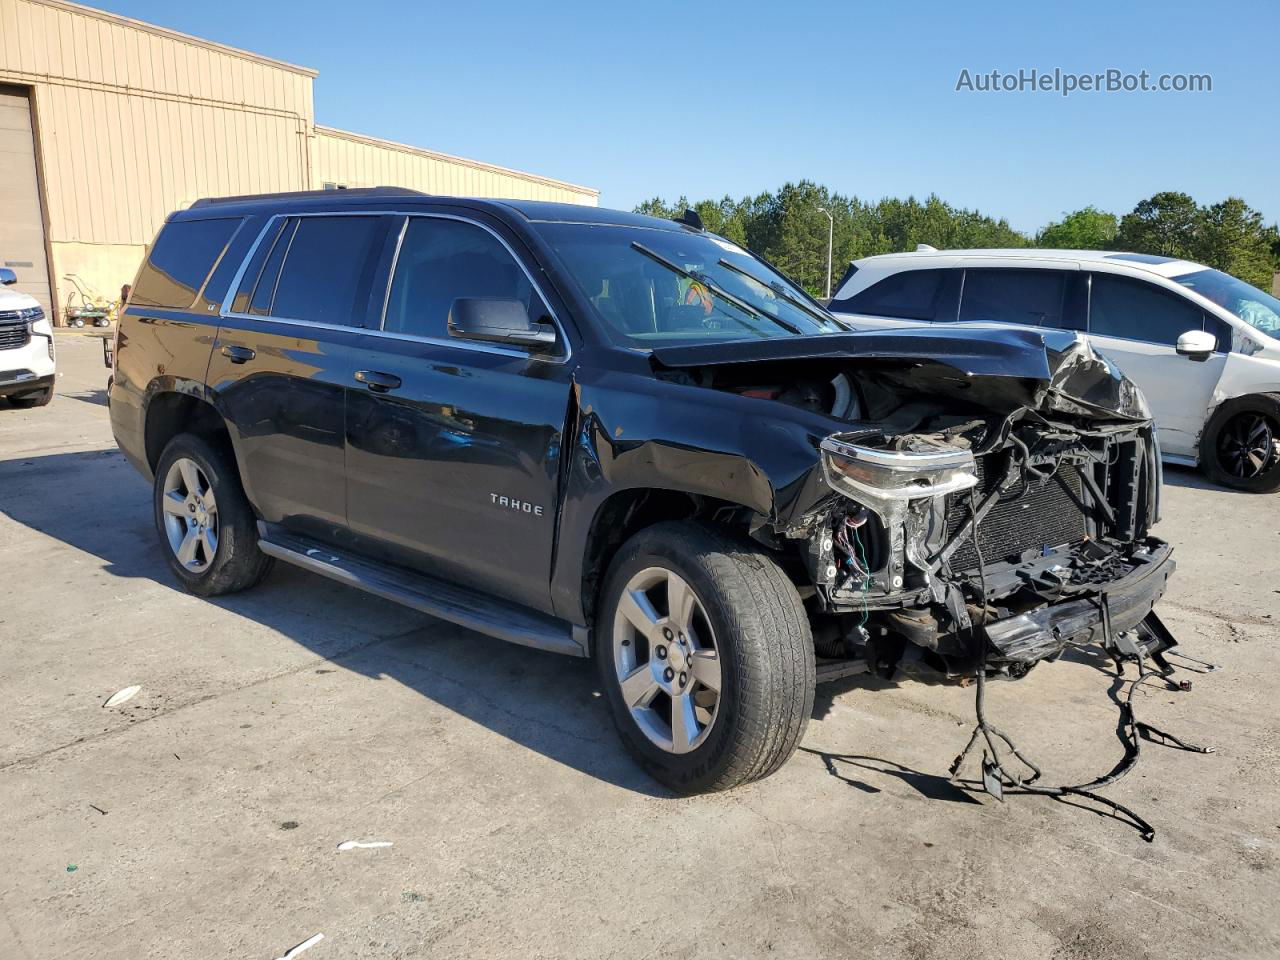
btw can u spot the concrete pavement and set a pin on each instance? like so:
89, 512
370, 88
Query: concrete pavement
202, 817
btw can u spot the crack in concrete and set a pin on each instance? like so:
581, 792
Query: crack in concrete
105, 734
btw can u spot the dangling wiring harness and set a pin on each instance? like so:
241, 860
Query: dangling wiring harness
998, 780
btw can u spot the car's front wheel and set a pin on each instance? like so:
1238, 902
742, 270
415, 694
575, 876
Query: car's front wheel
704, 650
1241, 445
207, 528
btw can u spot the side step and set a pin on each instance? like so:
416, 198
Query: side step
467, 608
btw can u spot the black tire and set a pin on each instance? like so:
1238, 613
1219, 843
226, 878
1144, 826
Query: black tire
764, 646
40, 398
237, 562
1219, 445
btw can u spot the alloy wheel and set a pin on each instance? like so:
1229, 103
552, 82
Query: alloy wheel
666, 660
190, 513
1249, 445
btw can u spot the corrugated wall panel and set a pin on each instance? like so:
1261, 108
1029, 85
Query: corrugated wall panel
134, 121
358, 161
133, 124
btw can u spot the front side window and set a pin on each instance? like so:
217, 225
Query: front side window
442, 260
1037, 298
1258, 309
655, 287
184, 255
1136, 310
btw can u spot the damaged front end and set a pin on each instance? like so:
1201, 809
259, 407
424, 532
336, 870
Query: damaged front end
1034, 528
988, 499
985, 505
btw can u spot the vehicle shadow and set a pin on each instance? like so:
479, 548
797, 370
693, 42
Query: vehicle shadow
931, 786
98, 397
545, 702
1193, 479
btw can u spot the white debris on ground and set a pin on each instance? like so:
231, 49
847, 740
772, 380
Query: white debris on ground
363, 844
304, 945
120, 696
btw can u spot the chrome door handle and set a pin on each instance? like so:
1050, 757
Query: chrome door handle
377, 381
238, 354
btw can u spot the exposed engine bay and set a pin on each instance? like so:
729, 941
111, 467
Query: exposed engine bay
1010, 503
974, 524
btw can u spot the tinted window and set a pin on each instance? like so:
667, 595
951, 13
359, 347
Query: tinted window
912, 294
1135, 310
1221, 331
1035, 297
328, 270
442, 260
264, 290
180, 261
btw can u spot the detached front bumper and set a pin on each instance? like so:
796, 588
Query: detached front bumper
1112, 608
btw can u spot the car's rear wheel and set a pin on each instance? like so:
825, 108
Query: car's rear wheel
1241, 445
39, 398
704, 650
207, 528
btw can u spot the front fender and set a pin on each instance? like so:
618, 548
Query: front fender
636, 432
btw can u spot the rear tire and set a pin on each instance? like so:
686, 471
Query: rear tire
207, 529
1240, 447
747, 631
40, 398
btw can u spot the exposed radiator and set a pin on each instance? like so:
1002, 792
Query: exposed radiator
1044, 515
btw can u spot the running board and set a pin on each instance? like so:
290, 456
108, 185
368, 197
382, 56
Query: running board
458, 605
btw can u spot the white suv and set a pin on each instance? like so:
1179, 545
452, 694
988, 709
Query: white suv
1203, 346
26, 347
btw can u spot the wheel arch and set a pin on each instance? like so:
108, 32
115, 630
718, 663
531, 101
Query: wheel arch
624, 513
171, 412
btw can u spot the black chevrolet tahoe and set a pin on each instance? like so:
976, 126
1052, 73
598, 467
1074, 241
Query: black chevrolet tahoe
612, 436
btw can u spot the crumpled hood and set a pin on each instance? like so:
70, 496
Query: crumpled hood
1046, 369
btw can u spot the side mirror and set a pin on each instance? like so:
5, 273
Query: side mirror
8, 277
498, 321
1197, 345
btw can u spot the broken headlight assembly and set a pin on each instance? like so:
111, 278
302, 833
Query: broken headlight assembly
863, 473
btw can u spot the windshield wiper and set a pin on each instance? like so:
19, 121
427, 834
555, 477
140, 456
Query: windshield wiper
715, 290
781, 291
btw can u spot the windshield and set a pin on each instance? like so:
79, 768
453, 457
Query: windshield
1260, 310
661, 287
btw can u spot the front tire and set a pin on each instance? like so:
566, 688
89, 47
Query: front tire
1240, 447
207, 528
704, 651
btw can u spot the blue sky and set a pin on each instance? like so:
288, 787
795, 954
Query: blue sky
713, 98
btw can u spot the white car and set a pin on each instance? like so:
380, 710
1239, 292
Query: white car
26, 347
1203, 346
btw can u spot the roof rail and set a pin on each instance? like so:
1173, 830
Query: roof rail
302, 194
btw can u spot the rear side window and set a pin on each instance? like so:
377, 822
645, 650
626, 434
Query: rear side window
1034, 297
1135, 310
184, 255
912, 294
442, 260
328, 270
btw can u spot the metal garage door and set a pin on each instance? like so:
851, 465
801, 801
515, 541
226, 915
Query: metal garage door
21, 227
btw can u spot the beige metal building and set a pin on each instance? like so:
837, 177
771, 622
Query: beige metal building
107, 124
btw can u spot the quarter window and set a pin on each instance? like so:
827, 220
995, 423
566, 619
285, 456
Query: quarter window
441, 260
1034, 297
1134, 310
181, 260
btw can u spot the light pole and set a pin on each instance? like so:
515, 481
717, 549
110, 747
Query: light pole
831, 233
